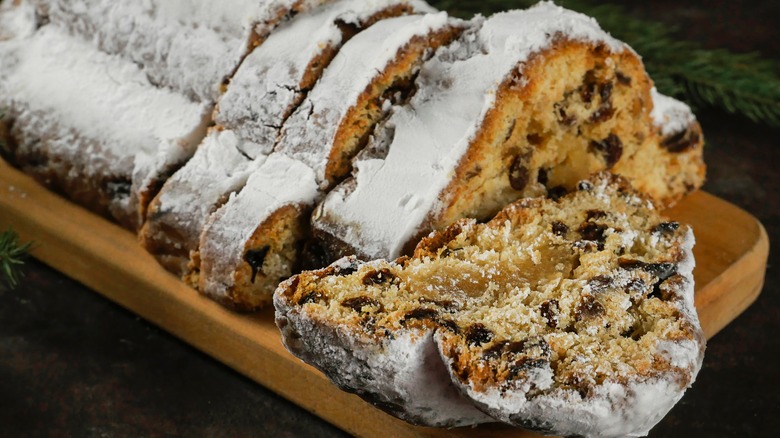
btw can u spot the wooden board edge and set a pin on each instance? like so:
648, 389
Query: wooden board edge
724, 308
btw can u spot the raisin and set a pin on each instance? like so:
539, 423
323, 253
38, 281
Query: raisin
556, 193
357, 303
666, 227
600, 283
559, 229
515, 347
595, 214
589, 308
593, 232
542, 176
381, 276
602, 114
660, 270
622, 79
565, 119
255, 259
311, 297
518, 174
450, 325
525, 364
495, 350
588, 87
549, 310
347, 30
681, 142
510, 131
605, 91
478, 334
534, 139
420, 313
611, 148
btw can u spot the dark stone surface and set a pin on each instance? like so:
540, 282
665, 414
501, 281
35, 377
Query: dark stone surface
74, 364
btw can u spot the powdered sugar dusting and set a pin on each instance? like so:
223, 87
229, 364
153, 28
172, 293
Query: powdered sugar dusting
190, 46
669, 114
97, 111
194, 191
310, 132
456, 89
17, 20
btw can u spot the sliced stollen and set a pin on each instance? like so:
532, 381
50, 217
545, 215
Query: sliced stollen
672, 163
526, 104
246, 247
91, 126
573, 317
274, 79
190, 46
264, 91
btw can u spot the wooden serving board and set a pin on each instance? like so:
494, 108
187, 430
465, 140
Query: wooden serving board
731, 255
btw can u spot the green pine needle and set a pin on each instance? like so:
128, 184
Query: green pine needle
738, 83
12, 255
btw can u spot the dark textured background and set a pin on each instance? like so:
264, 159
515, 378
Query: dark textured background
74, 364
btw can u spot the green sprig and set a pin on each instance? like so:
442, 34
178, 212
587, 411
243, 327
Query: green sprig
738, 83
12, 256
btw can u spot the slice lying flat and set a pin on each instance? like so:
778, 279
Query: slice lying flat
571, 317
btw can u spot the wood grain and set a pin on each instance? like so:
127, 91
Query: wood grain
731, 254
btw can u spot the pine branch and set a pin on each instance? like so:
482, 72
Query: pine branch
12, 255
737, 83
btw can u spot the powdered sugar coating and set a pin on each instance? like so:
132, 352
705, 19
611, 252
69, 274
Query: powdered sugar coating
190, 46
309, 133
268, 85
280, 181
217, 169
17, 20
403, 375
386, 203
97, 112
669, 114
